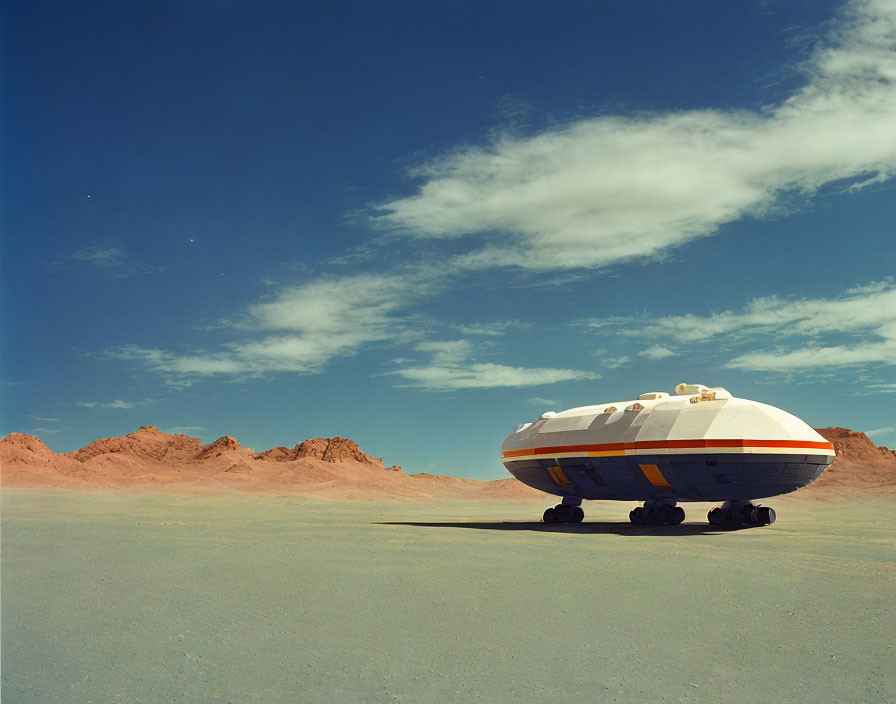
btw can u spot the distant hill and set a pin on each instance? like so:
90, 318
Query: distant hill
329, 468
860, 465
150, 459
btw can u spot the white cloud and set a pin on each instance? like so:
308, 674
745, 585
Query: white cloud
539, 401
108, 258
778, 360
486, 376
117, 403
446, 351
299, 330
862, 308
656, 352
184, 429
449, 369
615, 363
46, 420
883, 388
492, 329
327, 318
880, 431
335, 304
100, 256
609, 189
866, 315
854, 329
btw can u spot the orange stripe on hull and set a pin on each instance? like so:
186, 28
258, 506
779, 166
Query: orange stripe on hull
671, 444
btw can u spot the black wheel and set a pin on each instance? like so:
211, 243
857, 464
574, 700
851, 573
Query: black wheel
637, 516
666, 515
653, 516
550, 516
765, 515
731, 520
679, 515
714, 516
578, 515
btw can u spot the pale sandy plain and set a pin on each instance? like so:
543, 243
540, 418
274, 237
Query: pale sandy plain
155, 597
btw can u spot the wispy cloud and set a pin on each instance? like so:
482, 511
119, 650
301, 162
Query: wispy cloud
867, 307
450, 369
857, 328
108, 258
485, 376
613, 188
883, 388
299, 329
657, 352
539, 401
816, 356
880, 431
117, 403
55, 425
490, 329
100, 256
616, 362
868, 314
184, 429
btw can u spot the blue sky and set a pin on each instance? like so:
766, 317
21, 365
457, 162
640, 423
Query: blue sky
418, 224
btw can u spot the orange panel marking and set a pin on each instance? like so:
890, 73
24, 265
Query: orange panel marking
654, 475
558, 476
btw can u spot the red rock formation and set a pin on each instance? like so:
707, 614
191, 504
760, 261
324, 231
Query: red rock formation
332, 468
335, 467
26, 461
148, 443
859, 465
857, 447
313, 448
326, 449
276, 454
339, 449
25, 448
224, 444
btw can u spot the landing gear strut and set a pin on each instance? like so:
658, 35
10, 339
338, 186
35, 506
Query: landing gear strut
564, 513
657, 512
740, 514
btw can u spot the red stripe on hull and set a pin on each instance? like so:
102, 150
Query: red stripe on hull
670, 444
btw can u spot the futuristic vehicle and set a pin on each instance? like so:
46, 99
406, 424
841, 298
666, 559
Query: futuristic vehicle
702, 444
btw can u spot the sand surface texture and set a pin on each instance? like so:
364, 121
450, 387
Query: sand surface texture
153, 597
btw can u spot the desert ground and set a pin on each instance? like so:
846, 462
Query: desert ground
156, 597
